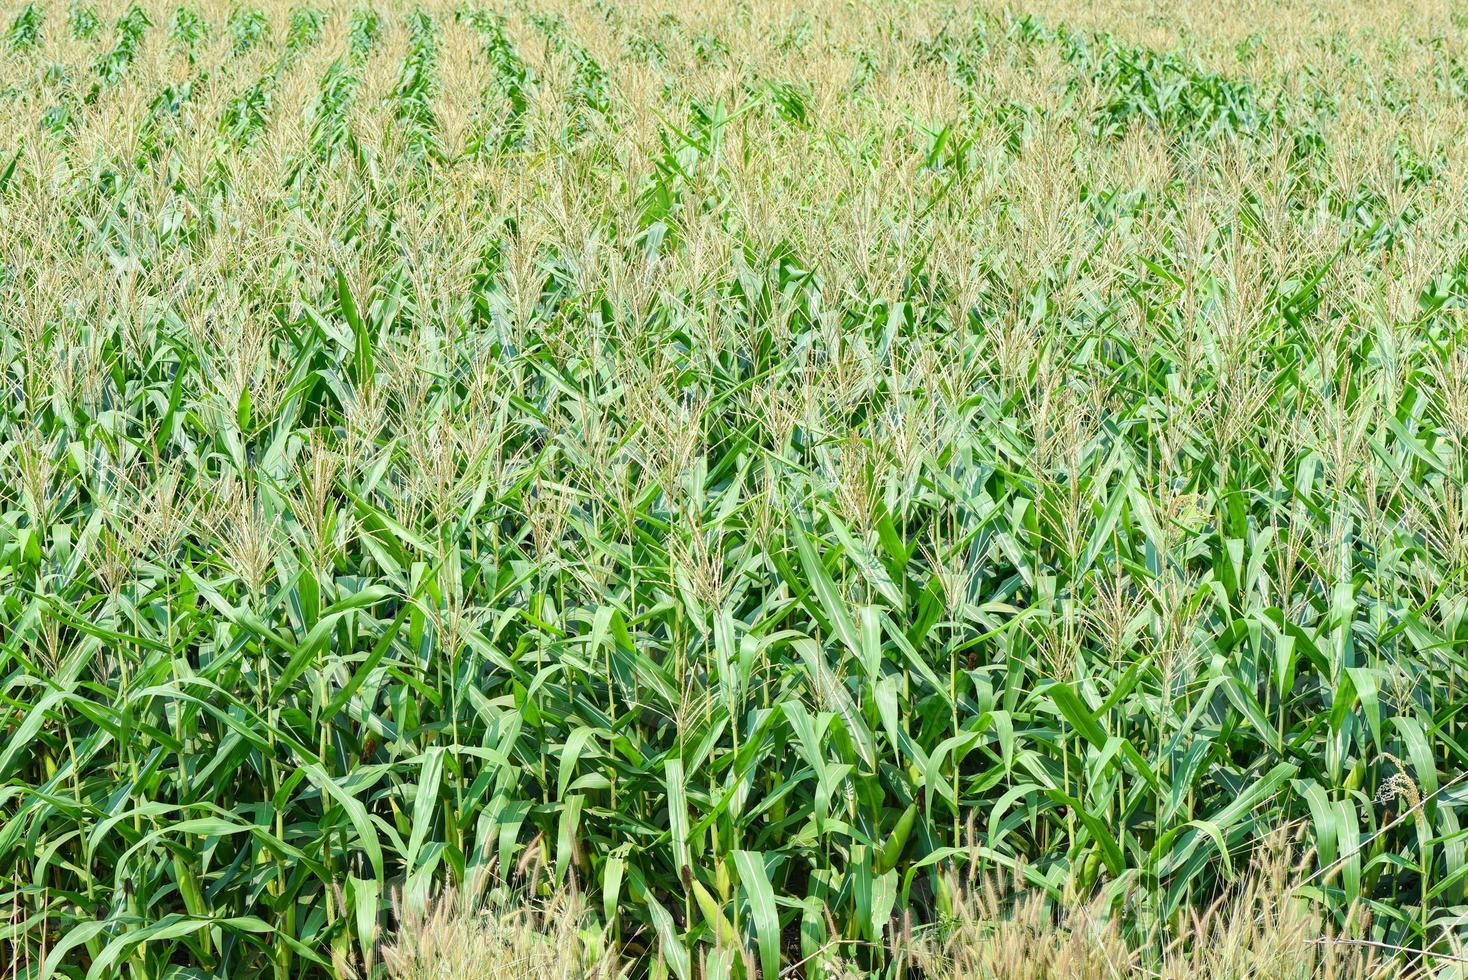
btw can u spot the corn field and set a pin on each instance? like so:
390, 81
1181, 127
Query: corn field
732, 475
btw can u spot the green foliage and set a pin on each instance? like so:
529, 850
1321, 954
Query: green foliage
246, 27
375, 515
417, 85
82, 21
186, 29
113, 64
25, 29
303, 30
513, 76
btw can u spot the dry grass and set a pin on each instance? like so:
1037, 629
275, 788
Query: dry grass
461, 938
993, 927
1003, 928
